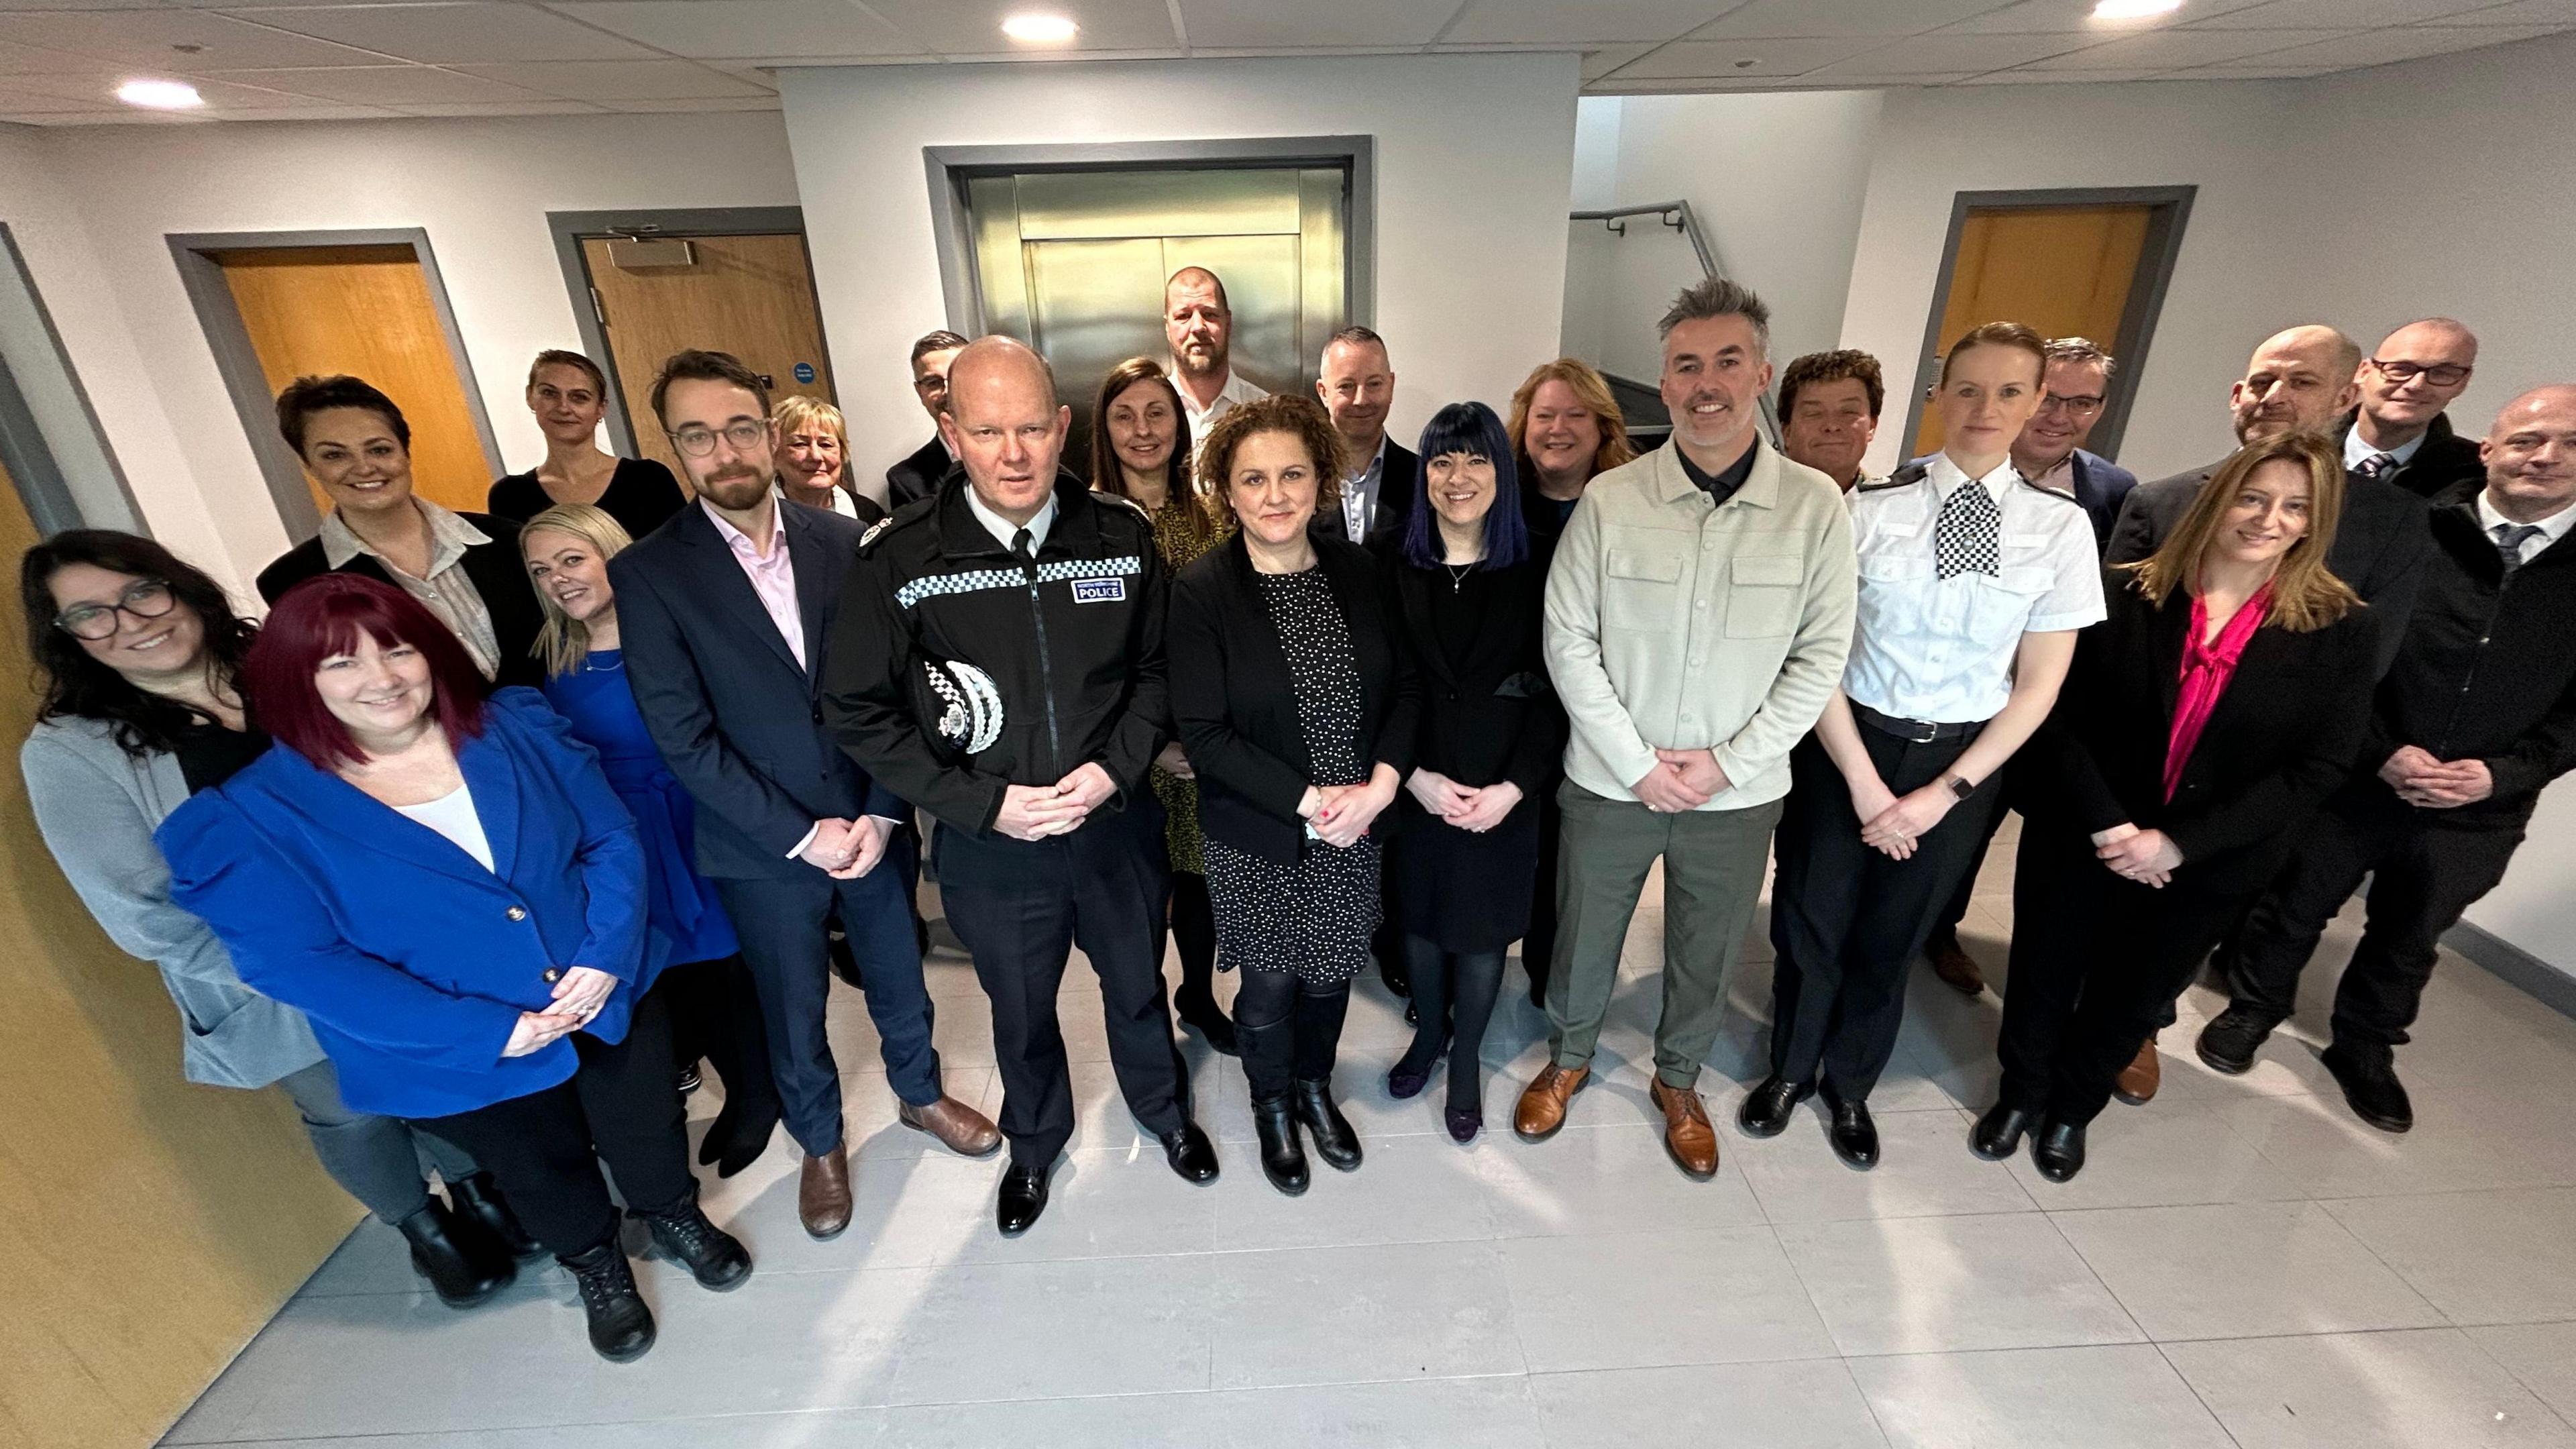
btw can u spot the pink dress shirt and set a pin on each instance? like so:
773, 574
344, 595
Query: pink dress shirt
773, 578
2207, 666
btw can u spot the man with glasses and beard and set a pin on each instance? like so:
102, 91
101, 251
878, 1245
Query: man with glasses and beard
721, 611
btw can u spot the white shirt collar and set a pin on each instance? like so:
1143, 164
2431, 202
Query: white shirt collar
1004, 530
2552, 528
2356, 451
736, 539
1948, 476
449, 538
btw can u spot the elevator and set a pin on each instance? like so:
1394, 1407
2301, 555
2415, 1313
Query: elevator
1073, 261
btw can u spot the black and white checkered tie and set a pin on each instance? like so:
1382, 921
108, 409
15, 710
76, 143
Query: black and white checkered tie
1967, 537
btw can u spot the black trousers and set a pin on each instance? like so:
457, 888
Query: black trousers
1020, 906
1538, 945
715, 1015
621, 1107
781, 922
1291, 1030
2424, 874
2096, 960
1846, 920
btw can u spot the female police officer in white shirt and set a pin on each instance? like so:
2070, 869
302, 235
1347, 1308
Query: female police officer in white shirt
1973, 582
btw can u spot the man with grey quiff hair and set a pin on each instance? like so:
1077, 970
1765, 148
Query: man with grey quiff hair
1718, 297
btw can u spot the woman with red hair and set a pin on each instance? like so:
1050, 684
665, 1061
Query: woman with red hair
449, 890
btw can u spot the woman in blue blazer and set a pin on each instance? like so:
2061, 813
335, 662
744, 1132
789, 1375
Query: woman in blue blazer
449, 890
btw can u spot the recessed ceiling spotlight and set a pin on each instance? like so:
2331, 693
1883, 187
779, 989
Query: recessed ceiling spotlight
2134, 9
1037, 28
160, 95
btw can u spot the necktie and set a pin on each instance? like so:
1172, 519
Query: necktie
2376, 466
2509, 539
1020, 551
1967, 536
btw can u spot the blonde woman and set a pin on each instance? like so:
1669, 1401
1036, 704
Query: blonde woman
690, 940
1566, 430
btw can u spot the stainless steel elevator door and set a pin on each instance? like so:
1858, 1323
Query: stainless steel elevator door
1073, 263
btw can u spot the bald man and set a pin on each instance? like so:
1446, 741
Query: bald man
998, 661
1198, 322
2401, 431
2477, 717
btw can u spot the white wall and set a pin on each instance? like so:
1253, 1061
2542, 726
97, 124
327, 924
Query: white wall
1474, 167
481, 189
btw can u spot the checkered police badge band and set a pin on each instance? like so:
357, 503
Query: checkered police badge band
971, 716
975, 580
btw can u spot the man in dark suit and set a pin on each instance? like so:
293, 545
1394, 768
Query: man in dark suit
1357, 384
2475, 720
721, 612
2417, 371
918, 475
2050, 451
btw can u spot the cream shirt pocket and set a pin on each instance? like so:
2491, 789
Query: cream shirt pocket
1762, 596
1641, 589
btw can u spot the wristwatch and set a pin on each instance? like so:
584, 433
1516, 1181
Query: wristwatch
1959, 787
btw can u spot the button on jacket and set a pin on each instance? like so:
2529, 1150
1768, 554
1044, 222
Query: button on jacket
1930, 648
954, 671
1676, 623
411, 960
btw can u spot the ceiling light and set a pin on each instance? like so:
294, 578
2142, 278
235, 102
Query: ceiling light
1040, 29
160, 95
2134, 9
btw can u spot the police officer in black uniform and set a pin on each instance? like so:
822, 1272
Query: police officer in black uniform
998, 661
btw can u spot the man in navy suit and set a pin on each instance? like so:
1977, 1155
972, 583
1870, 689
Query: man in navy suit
1357, 385
721, 612
2050, 451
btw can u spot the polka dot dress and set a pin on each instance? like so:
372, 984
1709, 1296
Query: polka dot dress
1312, 919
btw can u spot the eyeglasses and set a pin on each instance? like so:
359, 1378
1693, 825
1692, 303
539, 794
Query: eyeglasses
2440, 374
699, 442
2088, 403
143, 598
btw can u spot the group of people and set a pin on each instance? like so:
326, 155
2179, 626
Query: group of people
502, 826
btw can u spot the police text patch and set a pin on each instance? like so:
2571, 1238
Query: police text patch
1099, 591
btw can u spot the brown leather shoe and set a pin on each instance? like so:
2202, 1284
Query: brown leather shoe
2137, 1082
960, 1128
1542, 1106
1957, 969
1687, 1135
823, 1194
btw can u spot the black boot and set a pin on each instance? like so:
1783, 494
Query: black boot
477, 1196
716, 1258
1335, 1142
740, 1133
621, 1327
1283, 1160
1202, 1015
463, 1262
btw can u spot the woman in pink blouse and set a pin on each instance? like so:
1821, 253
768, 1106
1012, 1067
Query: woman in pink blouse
2221, 700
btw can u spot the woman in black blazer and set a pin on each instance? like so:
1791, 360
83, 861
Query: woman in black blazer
2221, 700
1298, 709
1467, 585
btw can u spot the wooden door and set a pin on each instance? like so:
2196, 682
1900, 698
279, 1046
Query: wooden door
752, 296
153, 1225
366, 311
2065, 270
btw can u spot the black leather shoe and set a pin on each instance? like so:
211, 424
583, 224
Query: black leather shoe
1190, 1153
1335, 1142
2000, 1131
621, 1327
1023, 1197
716, 1258
1853, 1135
461, 1259
1766, 1109
1211, 1023
2228, 1043
2058, 1150
2371, 1089
478, 1197
1283, 1159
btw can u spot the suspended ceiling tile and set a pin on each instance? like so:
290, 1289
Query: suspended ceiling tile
2077, 15
444, 34
1601, 62
659, 105
2060, 77
2557, 13
384, 85
216, 91
974, 27
1966, 54
2332, 14
1785, 19
533, 106
1590, 20
2174, 49
2412, 42
9, 5
1237, 23
152, 38
608, 80
29, 60
730, 29
1742, 59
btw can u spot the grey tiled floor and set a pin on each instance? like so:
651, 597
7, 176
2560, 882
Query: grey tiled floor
2242, 1264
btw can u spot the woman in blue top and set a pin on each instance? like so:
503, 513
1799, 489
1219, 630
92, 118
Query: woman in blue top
449, 890
714, 1013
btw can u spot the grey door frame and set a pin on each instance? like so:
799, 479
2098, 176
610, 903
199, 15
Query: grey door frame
2171, 210
571, 228
95, 492
947, 168
247, 382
